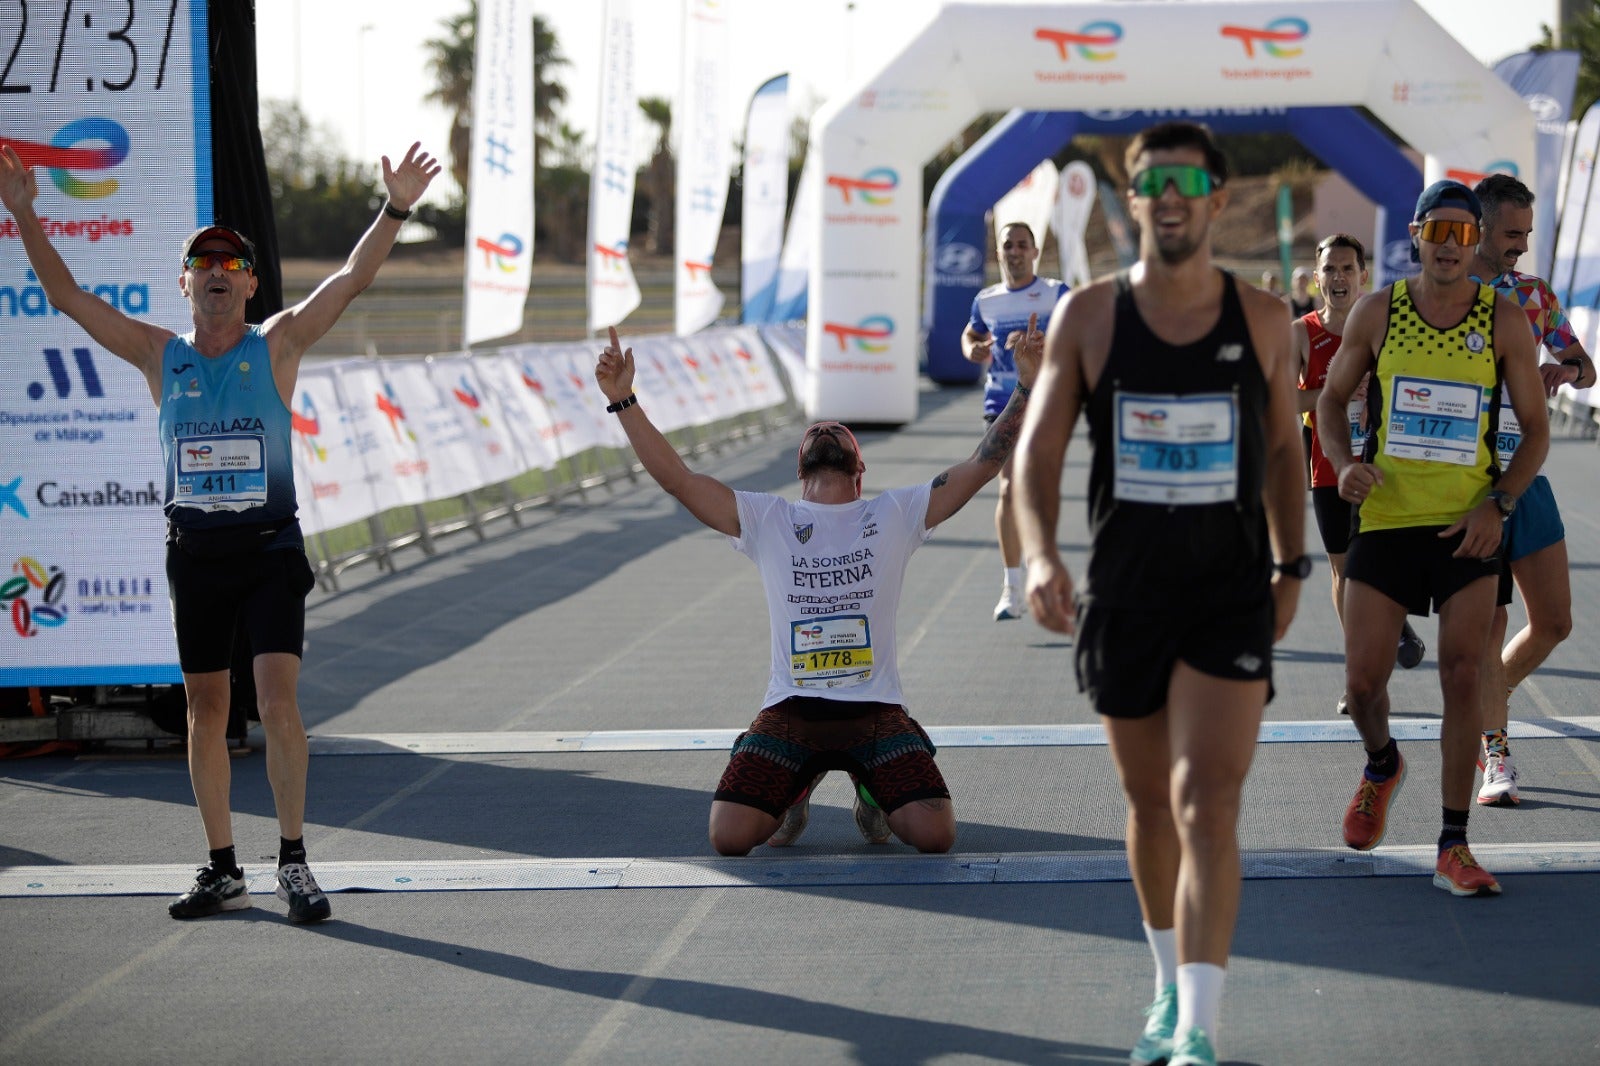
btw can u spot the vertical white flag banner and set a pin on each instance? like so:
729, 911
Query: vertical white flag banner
794, 269
766, 195
500, 198
613, 292
1576, 274
705, 154
1033, 201
1074, 200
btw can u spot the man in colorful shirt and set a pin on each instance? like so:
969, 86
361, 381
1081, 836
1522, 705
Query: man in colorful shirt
1536, 547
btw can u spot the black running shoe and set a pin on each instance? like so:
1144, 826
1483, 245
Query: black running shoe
300, 891
1411, 648
214, 891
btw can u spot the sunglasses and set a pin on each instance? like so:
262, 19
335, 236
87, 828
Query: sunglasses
205, 260
1438, 231
1189, 181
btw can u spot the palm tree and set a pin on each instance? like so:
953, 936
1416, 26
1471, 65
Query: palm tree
660, 174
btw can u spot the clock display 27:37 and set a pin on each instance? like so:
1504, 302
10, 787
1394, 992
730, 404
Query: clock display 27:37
97, 37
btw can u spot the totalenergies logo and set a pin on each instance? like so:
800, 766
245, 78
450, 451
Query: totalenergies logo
65, 154
611, 257
1093, 42
468, 397
1470, 178
1150, 419
1275, 38
306, 423
1418, 396
868, 334
696, 271
500, 254
389, 405
32, 579
876, 187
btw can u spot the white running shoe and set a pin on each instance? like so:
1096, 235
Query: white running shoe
1011, 605
1499, 781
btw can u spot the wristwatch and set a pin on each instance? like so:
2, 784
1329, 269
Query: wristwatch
1299, 569
1503, 500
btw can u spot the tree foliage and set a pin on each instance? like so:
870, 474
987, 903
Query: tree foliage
322, 201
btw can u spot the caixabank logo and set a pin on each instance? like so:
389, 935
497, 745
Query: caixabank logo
1086, 54
1274, 52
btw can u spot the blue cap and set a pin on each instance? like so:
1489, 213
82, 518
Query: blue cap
1447, 194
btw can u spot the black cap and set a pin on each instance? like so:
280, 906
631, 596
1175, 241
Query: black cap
1447, 193
241, 244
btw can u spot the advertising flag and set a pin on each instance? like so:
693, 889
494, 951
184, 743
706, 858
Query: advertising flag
794, 269
705, 154
613, 292
1546, 82
1032, 201
1074, 201
1576, 274
500, 196
766, 195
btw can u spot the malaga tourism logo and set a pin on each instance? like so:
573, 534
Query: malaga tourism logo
32, 596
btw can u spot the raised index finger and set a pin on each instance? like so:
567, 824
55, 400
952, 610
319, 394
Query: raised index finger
1033, 322
615, 343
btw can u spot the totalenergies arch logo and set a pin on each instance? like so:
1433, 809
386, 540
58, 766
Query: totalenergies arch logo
876, 187
65, 153
501, 253
1093, 42
868, 334
1470, 178
1275, 38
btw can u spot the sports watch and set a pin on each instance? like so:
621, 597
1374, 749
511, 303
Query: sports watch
1503, 500
1299, 569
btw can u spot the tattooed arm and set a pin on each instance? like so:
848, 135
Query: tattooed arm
955, 486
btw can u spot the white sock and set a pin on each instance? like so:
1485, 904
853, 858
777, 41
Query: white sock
1199, 998
1164, 946
1014, 576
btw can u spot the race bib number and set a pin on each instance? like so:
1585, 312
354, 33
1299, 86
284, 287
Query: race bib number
1176, 450
830, 653
1357, 414
221, 473
1508, 434
1434, 421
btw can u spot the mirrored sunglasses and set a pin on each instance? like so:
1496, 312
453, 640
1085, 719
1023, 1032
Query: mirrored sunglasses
1188, 180
205, 260
1438, 231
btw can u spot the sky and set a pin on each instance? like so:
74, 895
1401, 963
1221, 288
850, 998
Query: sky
358, 67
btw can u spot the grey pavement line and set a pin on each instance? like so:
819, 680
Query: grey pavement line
956, 736
787, 871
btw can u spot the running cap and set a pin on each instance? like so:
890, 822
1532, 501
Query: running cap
227, 234
1447, 193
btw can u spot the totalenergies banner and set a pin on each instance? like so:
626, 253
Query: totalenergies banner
872, 141
374, 434
113, 114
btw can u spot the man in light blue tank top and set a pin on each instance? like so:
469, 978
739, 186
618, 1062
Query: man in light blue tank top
235, 557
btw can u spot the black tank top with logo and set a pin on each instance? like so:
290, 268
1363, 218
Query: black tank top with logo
1179, 450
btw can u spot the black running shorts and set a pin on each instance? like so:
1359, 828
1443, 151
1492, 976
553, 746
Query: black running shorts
265, 589
1414, 566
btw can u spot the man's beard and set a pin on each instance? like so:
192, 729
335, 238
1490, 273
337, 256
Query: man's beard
827, 453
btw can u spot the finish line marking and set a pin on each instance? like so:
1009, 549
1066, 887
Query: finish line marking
952, 736
821, 871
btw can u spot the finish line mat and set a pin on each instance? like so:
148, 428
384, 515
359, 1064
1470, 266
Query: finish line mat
478, 875
954, 736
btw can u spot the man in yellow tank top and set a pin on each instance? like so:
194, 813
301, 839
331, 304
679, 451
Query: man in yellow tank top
1431, 501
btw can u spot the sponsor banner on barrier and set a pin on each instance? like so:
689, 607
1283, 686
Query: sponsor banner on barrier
482, 436
331, 480
717, 389
380, 426
115, 121
528, 424
659, 372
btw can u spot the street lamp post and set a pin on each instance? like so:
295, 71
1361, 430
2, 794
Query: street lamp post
361, 94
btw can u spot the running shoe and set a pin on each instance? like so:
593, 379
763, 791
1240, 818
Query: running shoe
1011, 605
870, 819
213, 892
1411, 649
1459, 874
1367, 817
300, 891
1343, 706
1193, 1050
1160, 1019
794, 819
1499, 781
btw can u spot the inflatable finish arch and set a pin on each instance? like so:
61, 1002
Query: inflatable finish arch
861, 334
957, 233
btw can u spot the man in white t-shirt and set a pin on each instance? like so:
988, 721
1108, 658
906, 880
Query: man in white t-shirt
832, 564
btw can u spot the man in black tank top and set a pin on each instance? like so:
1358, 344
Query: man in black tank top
1195, 489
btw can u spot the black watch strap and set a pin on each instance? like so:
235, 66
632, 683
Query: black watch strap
1299, 569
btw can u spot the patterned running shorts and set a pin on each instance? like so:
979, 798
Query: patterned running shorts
792, 742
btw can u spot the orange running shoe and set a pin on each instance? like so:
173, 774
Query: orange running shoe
1367, 817
1459, 874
